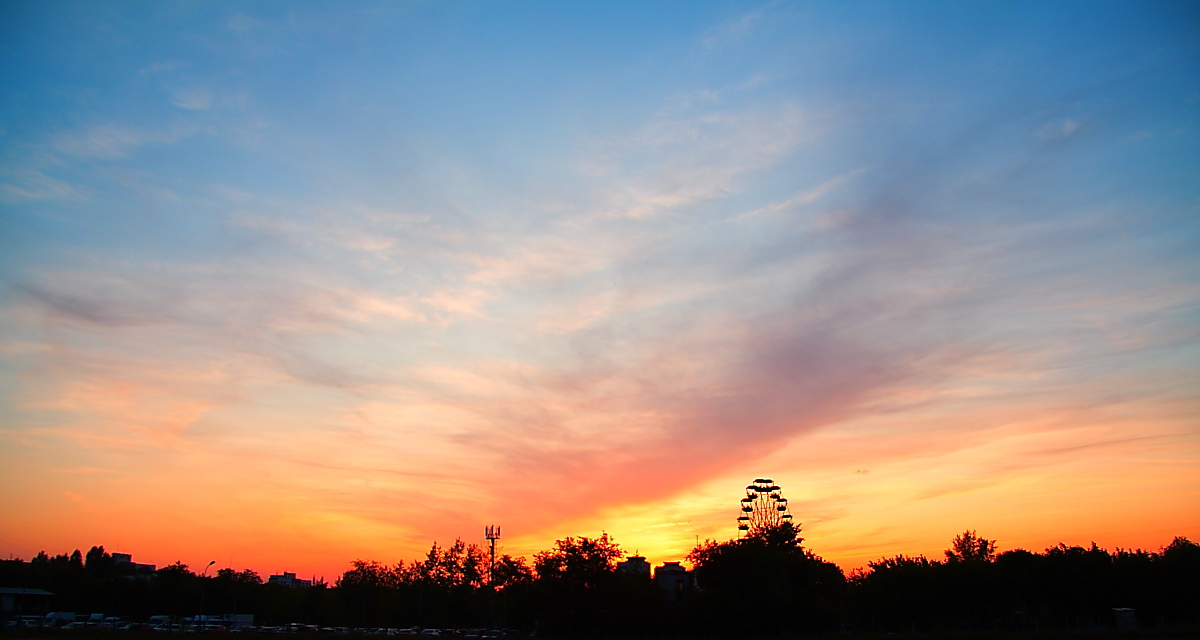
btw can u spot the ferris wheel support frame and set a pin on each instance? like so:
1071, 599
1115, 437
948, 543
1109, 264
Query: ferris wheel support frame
763, 507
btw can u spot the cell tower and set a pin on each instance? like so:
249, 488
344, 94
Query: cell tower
492, 533
763, 507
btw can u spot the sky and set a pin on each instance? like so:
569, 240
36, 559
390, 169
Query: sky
286, 285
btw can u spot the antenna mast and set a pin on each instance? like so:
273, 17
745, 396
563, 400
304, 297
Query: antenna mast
492, 533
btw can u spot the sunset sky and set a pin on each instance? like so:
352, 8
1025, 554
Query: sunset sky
288, 285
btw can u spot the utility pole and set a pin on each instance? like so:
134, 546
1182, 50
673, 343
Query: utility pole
492, 533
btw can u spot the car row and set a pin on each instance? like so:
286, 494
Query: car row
160, 624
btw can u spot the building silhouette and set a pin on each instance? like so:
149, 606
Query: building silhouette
125, 564
674, 580
636, 565
289, 580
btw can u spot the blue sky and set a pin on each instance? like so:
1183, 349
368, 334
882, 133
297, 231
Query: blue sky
316, 254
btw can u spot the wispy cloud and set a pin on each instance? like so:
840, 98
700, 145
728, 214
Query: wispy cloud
241, 23
116, 141
30, 184
736, 29
194, 98
675, 162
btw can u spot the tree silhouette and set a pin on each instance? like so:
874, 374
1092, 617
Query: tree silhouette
578, 589
511, 572
99, 563
770, 567
765, 584
968, 546
578, 562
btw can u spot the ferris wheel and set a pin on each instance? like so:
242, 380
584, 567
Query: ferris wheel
763, 507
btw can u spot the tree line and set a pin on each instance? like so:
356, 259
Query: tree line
765, 584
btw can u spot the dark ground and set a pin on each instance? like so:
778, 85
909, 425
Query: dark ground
1144, 634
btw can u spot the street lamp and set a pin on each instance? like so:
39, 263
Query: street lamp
203, 576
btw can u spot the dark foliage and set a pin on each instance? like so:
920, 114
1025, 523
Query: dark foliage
1061, 588
768, 570
578, 590
575, 590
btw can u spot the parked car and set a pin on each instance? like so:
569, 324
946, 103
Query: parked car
58, 619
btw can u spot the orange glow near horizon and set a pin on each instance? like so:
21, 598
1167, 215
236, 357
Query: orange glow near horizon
858, 498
